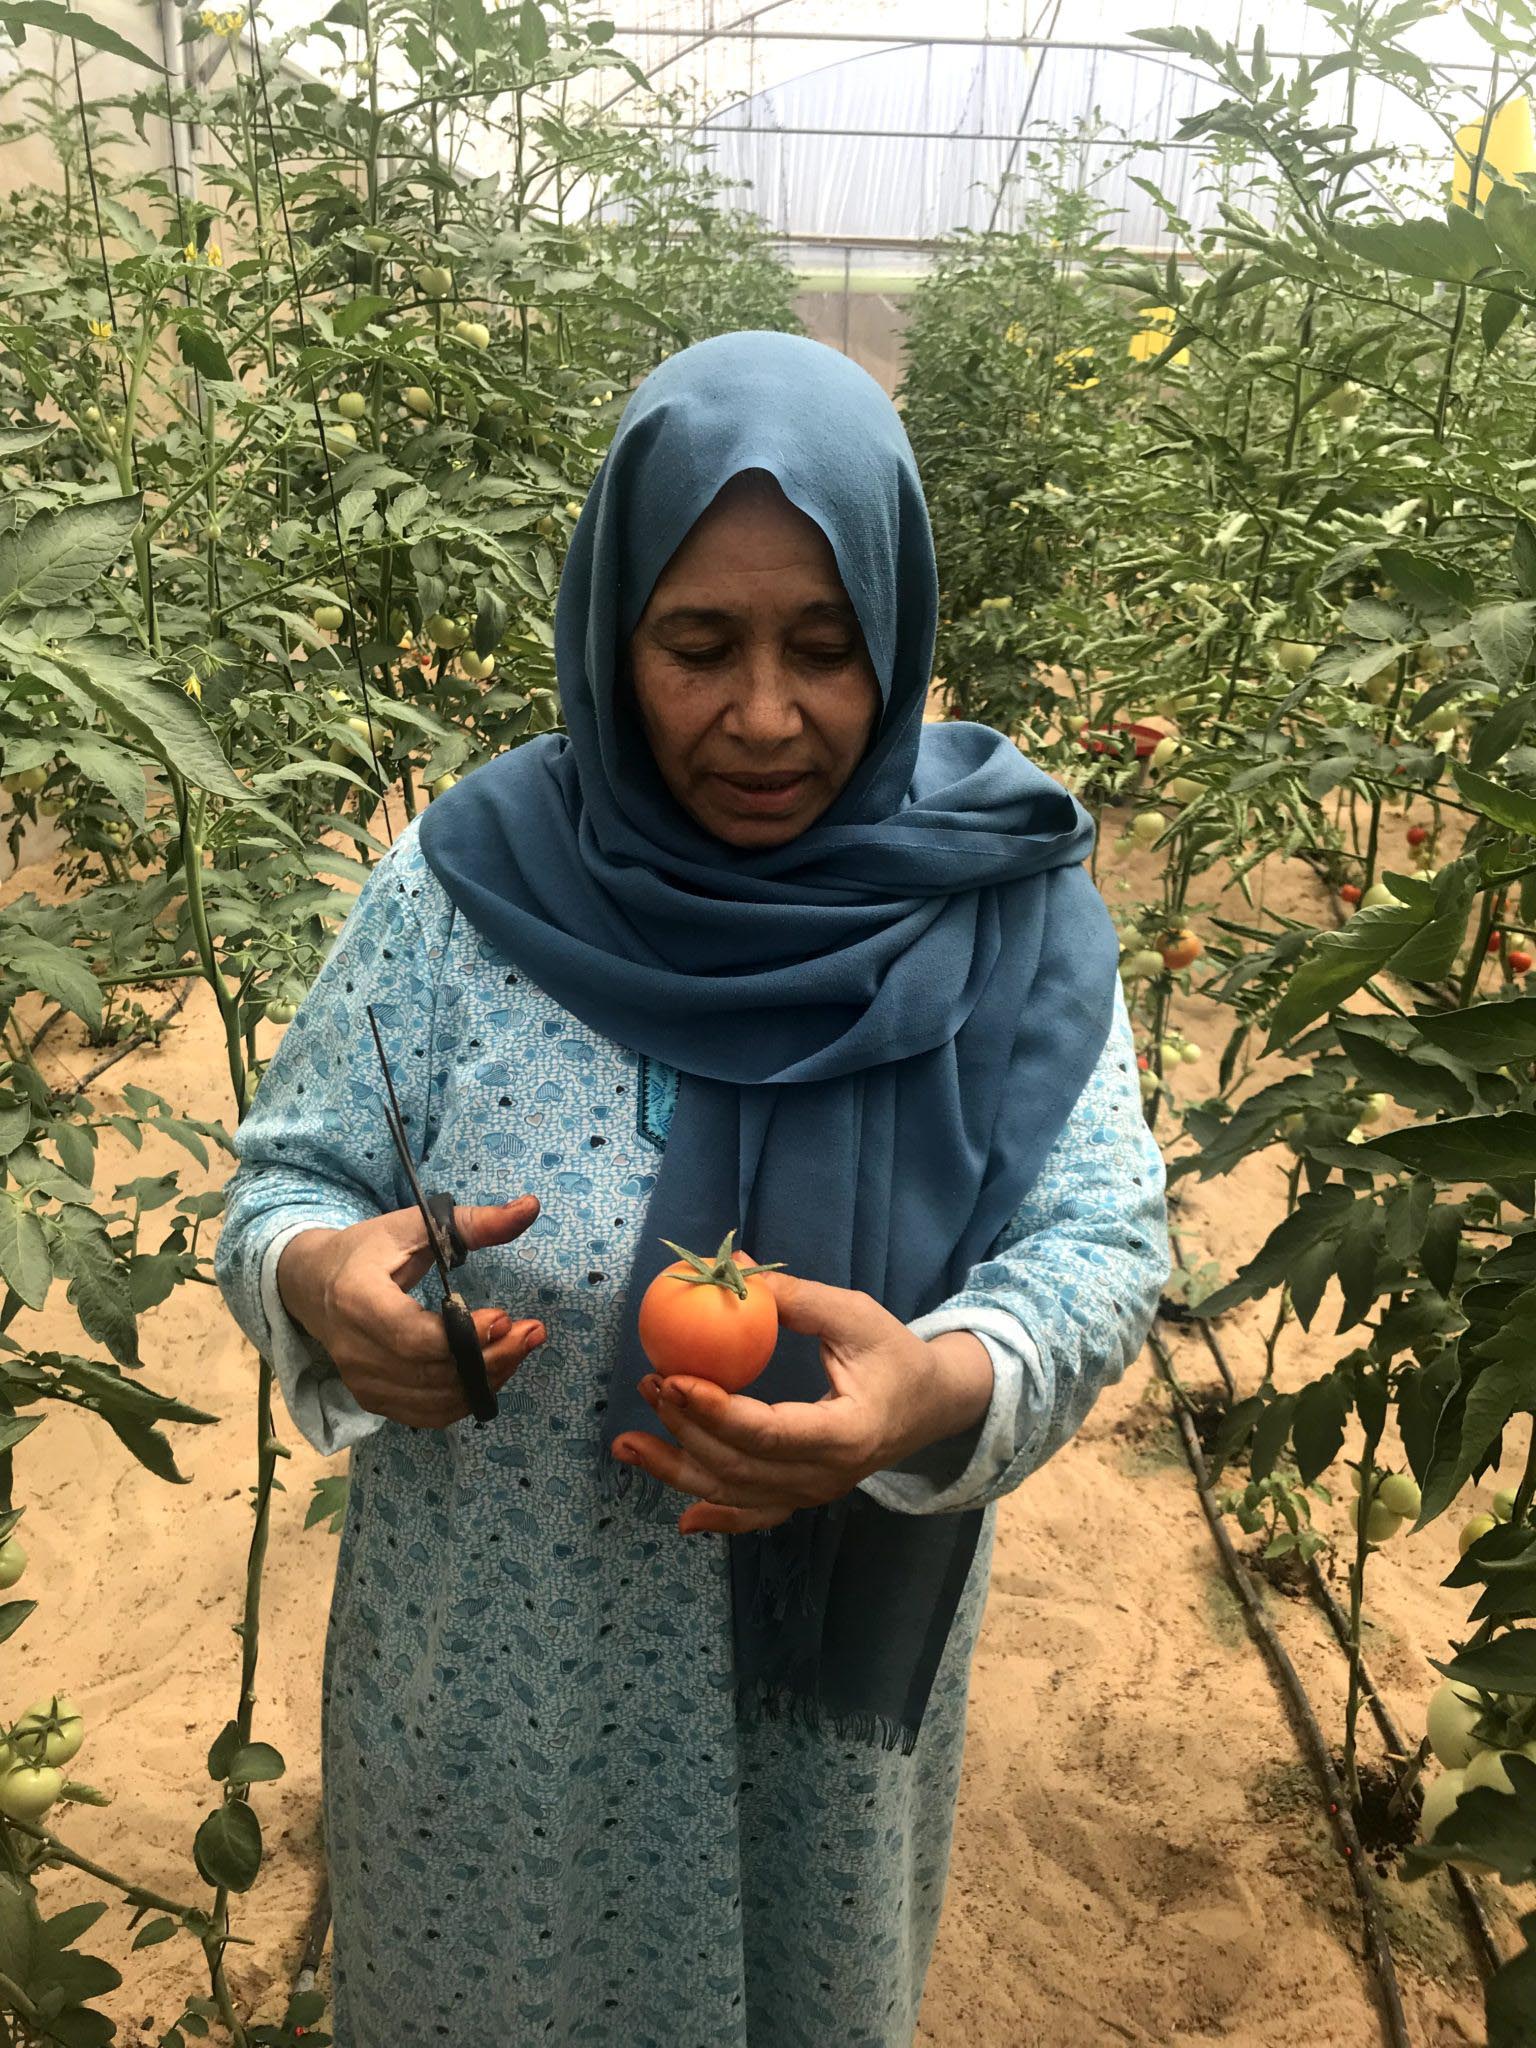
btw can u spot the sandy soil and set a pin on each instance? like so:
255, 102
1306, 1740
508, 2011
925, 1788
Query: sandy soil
1140, 1856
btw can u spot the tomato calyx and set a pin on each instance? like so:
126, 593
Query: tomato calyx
723, 1270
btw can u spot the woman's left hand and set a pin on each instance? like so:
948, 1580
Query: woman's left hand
753, 1463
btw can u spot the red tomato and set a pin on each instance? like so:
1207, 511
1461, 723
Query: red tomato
1349, 892
1495, 940
1417, 834
1180, 949
710, 1317
1520, 963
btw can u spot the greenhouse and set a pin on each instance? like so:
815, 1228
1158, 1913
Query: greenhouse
768, 971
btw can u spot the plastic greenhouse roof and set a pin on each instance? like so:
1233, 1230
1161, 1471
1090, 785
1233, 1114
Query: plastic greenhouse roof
862, 128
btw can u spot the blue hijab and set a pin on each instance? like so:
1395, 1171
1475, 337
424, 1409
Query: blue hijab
880, 1027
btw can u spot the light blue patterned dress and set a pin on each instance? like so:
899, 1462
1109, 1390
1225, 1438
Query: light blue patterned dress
543, 1823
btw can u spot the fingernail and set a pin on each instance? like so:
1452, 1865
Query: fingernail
498, 1329
677, 1394
624, 1457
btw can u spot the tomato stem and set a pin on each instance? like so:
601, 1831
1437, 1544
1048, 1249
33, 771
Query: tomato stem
723, 1270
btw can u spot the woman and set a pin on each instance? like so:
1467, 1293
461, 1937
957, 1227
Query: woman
749, 948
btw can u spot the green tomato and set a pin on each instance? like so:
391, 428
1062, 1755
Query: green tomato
477, 666
434, 280
475, 332
27, 783
13, 1561
1454, 1711
376, 240
1399, 1491
444, 632
1472, 1530
417, 399
1183, 789
49, 1732
1148, 1083
342, 430
573, 508
28, 1790
1143, 964
1488, 1767
1503, 1505
1296, 656
281, 1012
1171, 1054
352, 405
92, 413
1345, 401
1377, 897
1380, 1522
548, 526
328, 617
1371, 1109
1440, 1800
1164, 752
1192, 1055
1441, 721
442, 785
1148, 826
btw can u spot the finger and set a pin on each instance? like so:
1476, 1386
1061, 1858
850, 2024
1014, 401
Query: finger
714, 1520
410, 1258
498, 1223
676, 1468
787, 1435
434, 1397
840, 1314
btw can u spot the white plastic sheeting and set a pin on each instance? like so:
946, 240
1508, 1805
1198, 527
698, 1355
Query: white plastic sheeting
897, 122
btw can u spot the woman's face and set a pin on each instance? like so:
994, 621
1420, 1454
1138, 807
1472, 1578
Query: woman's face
749, 668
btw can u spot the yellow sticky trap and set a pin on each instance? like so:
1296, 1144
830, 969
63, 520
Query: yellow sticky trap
1510, 149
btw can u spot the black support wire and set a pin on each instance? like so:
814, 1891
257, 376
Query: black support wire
314, 403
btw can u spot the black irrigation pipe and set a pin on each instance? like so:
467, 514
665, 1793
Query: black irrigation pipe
1483, 1942
132, 1044
317, 1927
1305, 1720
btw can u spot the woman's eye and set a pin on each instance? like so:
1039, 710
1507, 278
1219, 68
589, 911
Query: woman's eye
701, 657
828, 657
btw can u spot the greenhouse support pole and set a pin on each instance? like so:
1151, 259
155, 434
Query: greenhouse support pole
847, 293
183, 143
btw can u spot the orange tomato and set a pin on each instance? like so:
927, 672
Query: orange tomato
1181, 949
710, 1317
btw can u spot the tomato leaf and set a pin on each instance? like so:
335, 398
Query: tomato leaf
1316, 1216
26, 1265
227, 1847
98, 1285
1475, 1148
59, 553
12, 1614
256, 1763
18, 16
161, 717
1487, 1036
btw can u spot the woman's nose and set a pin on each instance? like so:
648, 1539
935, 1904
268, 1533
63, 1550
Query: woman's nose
764, 708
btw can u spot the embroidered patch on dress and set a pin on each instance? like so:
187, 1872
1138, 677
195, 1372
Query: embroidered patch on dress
657, 1095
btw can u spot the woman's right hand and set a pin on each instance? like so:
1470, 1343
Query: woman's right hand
349, 1290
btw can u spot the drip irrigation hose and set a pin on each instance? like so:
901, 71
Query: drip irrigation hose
1304, 1719
316, 1929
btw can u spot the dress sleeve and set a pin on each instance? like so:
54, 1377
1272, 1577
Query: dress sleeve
1063, 1301
315, 1151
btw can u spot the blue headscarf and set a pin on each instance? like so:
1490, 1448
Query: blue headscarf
880, 1027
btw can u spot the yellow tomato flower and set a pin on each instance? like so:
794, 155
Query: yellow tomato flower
215, 256
190, 252
1014, 334
193, 687
101, 330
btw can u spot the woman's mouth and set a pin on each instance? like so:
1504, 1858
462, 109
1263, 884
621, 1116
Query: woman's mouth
765, 792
